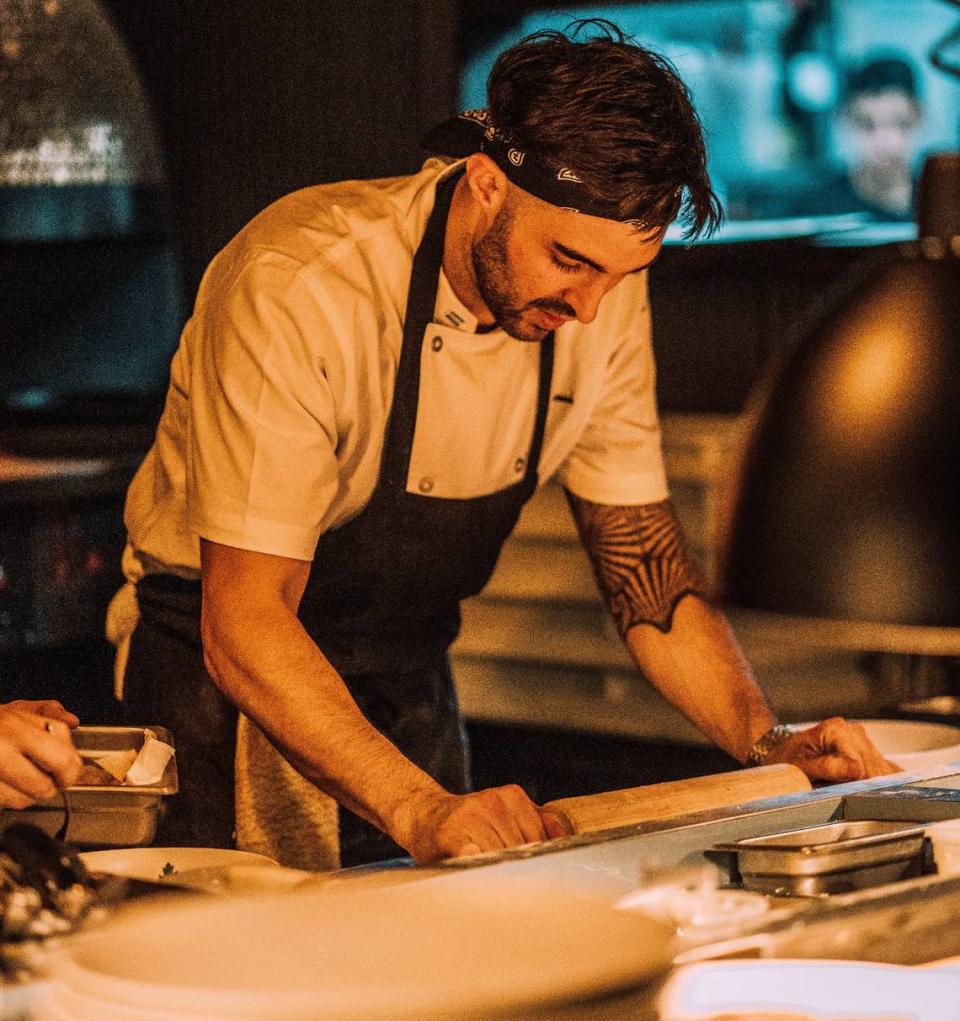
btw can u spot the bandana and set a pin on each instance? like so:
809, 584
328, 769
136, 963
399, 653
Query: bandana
474, 131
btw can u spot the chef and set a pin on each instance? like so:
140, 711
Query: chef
376, 377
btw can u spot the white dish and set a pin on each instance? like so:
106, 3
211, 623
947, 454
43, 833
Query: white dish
441, 948
152, 863
814, 989
912, 744
260, 877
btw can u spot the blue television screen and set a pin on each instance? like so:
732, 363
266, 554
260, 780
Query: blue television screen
817, 113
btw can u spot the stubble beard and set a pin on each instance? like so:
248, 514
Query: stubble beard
491, 269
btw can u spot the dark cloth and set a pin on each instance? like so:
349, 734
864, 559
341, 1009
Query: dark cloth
166, 684
381, 602
424, 724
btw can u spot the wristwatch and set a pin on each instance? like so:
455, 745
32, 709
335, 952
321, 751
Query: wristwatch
767, 741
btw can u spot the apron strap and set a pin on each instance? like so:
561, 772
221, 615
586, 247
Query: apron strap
421, 302
543, 403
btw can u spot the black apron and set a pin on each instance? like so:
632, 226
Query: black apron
381, 602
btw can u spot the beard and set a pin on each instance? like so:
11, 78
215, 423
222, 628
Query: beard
497, 286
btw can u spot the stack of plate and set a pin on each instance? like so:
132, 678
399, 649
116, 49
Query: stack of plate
467, 945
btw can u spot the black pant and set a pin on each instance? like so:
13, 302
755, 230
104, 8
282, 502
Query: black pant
167, 684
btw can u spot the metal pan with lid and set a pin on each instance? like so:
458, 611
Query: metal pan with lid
832, 858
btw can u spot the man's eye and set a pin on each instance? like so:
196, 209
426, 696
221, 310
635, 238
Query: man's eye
567, 267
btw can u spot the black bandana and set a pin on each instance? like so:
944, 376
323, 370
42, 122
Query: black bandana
473, 131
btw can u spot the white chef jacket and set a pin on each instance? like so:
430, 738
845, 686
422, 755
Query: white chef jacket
282, 384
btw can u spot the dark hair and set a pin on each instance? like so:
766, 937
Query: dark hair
614, 112
880, 74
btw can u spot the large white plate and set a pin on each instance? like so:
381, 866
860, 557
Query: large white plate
152, 863
459, 947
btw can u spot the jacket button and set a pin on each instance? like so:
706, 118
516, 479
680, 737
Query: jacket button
520, 465
426, 484
437, 343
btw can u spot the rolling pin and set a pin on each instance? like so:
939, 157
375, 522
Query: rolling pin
611, 809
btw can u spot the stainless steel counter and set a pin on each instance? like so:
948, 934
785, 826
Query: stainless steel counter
908, 922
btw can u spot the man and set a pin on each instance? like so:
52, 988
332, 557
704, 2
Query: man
376, 377
878, 124
37, 757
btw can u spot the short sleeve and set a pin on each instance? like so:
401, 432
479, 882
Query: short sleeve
618, 457
262, 437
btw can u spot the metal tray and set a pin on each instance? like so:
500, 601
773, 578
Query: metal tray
105, 816
838, 857
828, 883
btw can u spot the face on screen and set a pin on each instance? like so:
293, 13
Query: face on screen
883, 128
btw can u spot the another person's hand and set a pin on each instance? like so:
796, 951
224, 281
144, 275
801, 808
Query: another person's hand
834, 751
37, 757
453, 825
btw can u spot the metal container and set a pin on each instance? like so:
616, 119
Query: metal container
835, 858
105, 816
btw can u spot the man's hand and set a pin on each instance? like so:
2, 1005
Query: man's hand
834, 751
37, 757
47, 707
443, 825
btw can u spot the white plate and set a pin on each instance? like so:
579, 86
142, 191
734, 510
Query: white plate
152, 863
261, 877
813, 989
462, 946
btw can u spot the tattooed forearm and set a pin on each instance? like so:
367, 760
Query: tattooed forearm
640, 560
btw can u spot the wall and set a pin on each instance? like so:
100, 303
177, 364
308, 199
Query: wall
251, 99
258, 98
721, 312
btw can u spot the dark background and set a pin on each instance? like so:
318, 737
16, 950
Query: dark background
258, 98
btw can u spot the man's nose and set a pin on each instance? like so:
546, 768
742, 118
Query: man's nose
585, 298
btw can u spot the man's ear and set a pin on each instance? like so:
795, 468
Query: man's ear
487, 182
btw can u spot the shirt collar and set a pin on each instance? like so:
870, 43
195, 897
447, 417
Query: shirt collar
450, 310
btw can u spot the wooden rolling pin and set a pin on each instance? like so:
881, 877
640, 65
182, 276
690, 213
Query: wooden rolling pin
606, 811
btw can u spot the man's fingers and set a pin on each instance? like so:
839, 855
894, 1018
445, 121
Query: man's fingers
10, 797
36, 754
21, 775
555, 824
511, 815
836, 751
834, 769
48, 707
524, 814
466, 824
511, 819
467, 850
48, 747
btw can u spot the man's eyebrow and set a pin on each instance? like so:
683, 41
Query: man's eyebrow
572, 253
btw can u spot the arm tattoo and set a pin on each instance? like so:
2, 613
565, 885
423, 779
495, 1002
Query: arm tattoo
640, 559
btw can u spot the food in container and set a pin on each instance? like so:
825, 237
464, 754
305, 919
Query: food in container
110, 813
